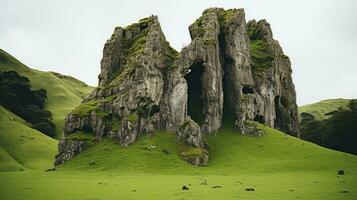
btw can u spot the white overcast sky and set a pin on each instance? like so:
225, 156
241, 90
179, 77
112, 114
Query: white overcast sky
68, 36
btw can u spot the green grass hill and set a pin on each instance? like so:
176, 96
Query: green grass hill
22, 147
321, 108
63, 92
276, 166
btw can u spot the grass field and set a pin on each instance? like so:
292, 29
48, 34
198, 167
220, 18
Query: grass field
21, 147
64, 92
275, 165
319, 109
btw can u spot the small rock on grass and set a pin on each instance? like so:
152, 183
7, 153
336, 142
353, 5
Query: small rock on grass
249, 189
166, 151
185, 188
344, 191
50, 170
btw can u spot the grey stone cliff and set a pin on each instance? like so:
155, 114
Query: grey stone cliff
231, 71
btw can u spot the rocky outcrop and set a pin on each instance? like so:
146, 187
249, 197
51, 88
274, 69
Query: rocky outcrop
231, 71
189, 133
68, 149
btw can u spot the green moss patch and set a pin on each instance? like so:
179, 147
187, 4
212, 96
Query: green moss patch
188, 152
114, 125
225, 17
84, 109
132, 118
261, 56
88, 137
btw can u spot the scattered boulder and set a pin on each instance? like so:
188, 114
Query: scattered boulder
344, 191
249, 189
341, 172
167, 152
185, 188
50, 169
190, 133
91, 163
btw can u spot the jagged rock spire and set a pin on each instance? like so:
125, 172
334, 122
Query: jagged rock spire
231, 71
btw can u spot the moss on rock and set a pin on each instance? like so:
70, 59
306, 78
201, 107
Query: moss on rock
132, 118
261, 56
84, 109
85, 136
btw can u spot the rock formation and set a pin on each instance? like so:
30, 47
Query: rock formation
232, 71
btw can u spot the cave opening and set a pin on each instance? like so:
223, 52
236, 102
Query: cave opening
194, 98
259, 118
247, 89
229, 94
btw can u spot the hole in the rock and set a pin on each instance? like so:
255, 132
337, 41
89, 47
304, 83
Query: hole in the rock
143, 26
195, 101
228, 95
259, 118
87, 128
247, 89
154, 109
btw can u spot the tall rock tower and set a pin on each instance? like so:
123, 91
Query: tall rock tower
232, 71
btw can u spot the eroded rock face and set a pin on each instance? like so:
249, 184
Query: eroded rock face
230, 71
190, 134
67, 149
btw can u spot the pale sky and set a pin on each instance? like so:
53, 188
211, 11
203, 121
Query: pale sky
68, 36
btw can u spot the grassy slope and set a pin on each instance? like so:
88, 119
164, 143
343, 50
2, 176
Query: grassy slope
320, 108
23, 147
64, 92
275, 165
272, 153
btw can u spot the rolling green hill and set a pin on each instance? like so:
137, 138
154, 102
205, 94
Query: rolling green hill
276, 166
22, 147
63, 92
230, 153
321, 108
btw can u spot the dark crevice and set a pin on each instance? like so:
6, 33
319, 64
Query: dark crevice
247, 89
229, 94
195, 101
282, 114
259, 118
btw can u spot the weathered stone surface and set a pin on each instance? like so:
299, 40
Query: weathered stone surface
231, 71
190, 133
67, 149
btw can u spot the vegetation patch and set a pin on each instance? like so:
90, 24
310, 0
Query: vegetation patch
17, 96
84, 109
184, 124
109, 99
132, 118
132, 47
336, 132
261, 56
225, 17
171, 54
188, 152
114, 125
81, 135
